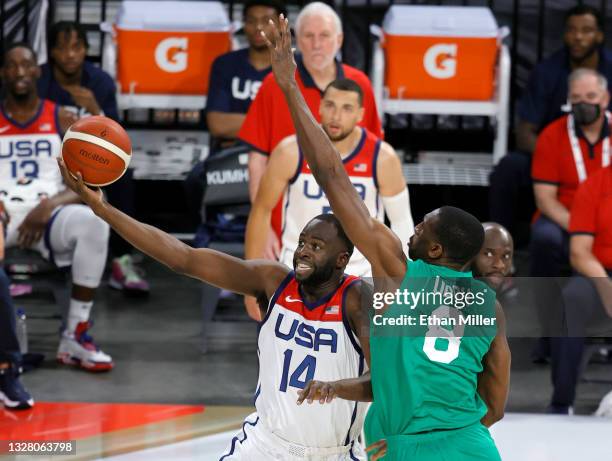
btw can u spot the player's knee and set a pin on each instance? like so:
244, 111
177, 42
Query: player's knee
92, 229
100, 230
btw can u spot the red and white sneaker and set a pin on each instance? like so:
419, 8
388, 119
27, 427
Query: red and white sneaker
79, 349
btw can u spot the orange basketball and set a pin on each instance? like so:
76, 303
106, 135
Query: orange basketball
98, 148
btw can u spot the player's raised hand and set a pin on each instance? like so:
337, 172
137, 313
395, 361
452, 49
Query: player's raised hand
318, 390
281, 53
92, 197
377, 450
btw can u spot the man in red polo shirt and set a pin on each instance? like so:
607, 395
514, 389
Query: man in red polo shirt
567, 151
588, 295
319, 38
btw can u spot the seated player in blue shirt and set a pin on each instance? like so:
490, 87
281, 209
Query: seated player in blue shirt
235, 78
71, 81
540, 104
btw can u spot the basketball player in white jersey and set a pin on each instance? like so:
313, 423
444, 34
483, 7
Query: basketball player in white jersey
43, 214
372, 165
314, 327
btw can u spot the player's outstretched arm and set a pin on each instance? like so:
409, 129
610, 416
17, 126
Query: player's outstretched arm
379, 245
494, 380
253, 278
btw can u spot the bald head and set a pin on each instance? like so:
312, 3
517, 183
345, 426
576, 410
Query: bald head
494, 261
495, 231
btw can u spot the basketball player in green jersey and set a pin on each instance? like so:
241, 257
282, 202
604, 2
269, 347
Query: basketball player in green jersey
434, 396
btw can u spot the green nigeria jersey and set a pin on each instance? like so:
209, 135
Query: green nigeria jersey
427, 350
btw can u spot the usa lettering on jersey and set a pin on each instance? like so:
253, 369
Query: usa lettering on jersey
299, 342
304, 199
28, 152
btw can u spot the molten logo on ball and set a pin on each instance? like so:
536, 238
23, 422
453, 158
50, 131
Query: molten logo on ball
98, 148
95, 157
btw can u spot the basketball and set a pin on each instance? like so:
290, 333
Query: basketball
98, 148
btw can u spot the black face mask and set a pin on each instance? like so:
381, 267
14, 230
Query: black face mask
585, 113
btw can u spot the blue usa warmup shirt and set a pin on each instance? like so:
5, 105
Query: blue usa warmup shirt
95, 79
546, 90
234, 83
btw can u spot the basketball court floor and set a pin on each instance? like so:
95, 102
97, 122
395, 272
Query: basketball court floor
167, 400
520, 437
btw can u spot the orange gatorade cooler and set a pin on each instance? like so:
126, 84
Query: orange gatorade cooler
167, 47
440, 52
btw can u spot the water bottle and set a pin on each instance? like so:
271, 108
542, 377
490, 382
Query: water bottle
22, 331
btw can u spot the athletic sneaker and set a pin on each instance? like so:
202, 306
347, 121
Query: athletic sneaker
79, 349
12, 393
127, 277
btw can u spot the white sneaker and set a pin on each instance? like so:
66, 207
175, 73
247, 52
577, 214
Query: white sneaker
79, 349
605, 406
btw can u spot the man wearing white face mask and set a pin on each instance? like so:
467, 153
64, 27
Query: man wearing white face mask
319, 38
567, 151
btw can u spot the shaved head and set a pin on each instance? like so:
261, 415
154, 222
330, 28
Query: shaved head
495, 259
494, 229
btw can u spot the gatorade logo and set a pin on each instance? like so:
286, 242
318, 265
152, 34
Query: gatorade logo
171, 54
440, 61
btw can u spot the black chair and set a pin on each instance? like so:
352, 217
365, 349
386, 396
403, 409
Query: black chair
225, 209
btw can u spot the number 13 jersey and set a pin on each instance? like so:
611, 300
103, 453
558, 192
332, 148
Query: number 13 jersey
28, 165
299, 342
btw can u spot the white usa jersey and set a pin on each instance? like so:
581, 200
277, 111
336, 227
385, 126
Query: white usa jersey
28, 165
304, 199
299, 342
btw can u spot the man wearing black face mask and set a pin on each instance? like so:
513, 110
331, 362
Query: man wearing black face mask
511, 197
567, 151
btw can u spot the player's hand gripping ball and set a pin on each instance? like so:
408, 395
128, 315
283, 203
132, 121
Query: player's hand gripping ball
99, 148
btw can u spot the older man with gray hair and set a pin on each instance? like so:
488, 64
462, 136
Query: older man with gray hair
319, 38
567, 151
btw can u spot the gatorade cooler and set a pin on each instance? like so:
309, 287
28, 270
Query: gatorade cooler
440, 52
167, 47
